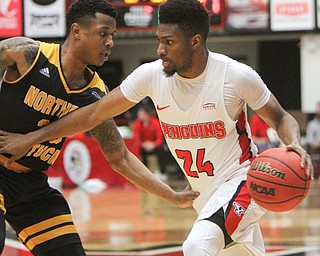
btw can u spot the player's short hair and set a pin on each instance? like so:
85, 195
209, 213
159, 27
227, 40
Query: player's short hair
190, 15
83, 11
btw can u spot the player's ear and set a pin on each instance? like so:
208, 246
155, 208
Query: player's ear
196, 41
75, 30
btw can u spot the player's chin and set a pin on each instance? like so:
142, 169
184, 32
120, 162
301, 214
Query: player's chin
168, 72
99, 63
101, 60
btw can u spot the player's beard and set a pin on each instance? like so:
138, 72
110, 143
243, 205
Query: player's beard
183, 68
169, 73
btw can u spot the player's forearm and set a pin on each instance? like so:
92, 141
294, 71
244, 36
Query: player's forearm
78, 121
288, 130
133, 170
85, 118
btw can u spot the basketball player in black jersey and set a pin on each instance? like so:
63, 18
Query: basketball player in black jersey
44, 82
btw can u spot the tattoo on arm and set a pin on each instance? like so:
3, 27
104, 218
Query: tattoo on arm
108, 137
30, 53
3, 60
17, 49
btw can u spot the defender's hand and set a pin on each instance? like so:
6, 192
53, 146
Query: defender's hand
14, 144
186, 197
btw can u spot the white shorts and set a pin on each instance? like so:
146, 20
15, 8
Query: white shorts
241, 213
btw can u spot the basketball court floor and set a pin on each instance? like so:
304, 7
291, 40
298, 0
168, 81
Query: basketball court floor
123, 221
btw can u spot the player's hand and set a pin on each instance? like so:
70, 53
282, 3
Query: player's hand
186, 197
14, 144
306, 162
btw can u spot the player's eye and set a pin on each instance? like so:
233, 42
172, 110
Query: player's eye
169, 42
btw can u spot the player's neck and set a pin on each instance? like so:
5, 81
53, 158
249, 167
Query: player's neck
199, 63
73, 68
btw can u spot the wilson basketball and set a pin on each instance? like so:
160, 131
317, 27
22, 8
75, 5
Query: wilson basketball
276, 180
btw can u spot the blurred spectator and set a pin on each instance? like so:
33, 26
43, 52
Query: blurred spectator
259, 133
263, 136
313, 140
147, 131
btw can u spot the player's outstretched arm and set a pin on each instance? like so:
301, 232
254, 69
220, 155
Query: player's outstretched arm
85, 118
129, 166
82, 119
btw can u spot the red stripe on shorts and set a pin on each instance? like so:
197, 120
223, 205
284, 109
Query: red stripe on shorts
240, 204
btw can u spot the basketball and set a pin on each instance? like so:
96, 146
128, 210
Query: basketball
276, 180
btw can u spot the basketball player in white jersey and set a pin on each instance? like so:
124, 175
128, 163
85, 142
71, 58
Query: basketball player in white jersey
201, 99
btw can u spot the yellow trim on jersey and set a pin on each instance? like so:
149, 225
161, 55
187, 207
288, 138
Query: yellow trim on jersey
33, 63
96, 81
47, 235
2, 207
53, 55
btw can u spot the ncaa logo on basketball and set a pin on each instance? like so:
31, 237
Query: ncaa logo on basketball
262, 189
265, 167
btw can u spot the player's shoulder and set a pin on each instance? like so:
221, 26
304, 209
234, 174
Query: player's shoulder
47, 44
49, 48
155, 64
219, 57
232, 63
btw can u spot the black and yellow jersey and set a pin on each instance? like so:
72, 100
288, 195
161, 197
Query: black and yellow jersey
40, 96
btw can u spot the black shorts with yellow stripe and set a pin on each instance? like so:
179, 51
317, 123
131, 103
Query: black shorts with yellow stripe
38, 213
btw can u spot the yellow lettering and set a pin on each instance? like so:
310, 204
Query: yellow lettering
40, 150
31, 95
40, 100
33, 149
46, 154
43, 122
54, 157
73, 108
48, 105
56, 141
65, 108
59, 102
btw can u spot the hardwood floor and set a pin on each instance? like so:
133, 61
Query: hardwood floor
126, 221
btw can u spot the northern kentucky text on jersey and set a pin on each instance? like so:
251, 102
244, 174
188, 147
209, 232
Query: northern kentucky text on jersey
49, 105
45, 153
195, 131
46, 103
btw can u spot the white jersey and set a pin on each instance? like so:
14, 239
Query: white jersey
204, 119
